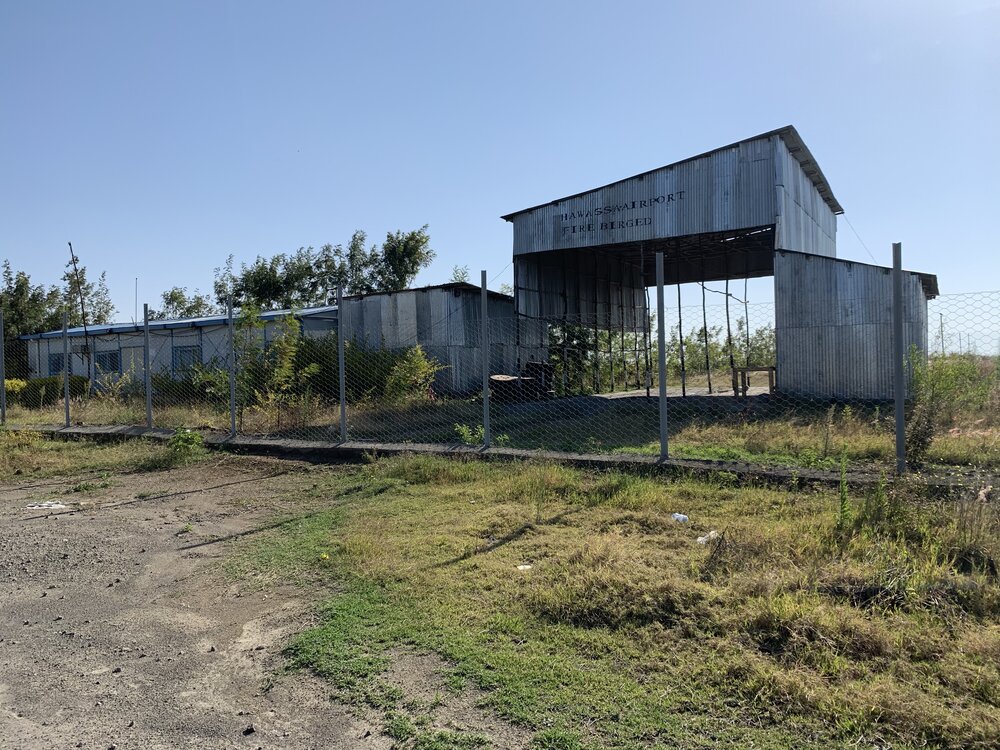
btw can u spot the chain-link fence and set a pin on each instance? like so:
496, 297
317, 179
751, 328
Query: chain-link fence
369, 371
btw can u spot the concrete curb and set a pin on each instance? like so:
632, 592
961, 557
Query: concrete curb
356, 451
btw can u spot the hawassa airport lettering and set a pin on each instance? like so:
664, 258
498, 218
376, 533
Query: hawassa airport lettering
619, 208
608, 224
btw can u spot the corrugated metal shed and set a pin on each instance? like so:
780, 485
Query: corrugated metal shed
767, 180
720, 215
446, 322
833, 326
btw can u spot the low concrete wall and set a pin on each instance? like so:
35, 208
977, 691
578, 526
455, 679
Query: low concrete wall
355, 452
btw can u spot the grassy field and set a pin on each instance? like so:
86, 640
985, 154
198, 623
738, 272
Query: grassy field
588, 615
27, 455
803, 435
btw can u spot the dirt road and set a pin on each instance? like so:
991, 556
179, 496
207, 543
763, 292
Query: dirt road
119, 631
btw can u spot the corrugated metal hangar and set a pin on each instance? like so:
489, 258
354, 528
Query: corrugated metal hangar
758, 207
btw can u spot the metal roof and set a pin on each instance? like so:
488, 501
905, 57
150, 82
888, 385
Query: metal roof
788, 134
928, 281
159, 325
218, 320
456, 286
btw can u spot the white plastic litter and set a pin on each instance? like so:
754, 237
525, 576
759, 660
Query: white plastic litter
47, 505
713, 534
679, 517
524, 566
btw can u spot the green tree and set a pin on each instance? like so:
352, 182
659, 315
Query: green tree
177, 303
308, 277
403, 255
459, 275
96, 297
27, 308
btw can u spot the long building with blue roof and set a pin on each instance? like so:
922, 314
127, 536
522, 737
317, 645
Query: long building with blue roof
176, 345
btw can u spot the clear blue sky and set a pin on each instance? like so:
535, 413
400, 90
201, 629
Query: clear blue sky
161, 137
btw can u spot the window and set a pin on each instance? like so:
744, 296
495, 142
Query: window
184, 358
107, 362
55, 364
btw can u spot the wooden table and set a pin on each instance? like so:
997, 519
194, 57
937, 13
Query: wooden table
744, 373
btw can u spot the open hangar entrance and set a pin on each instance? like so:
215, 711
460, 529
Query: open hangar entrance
757, 208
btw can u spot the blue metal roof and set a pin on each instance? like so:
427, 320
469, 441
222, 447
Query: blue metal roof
159, 325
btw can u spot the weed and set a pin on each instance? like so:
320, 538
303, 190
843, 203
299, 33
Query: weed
398, 726
186, 445
455, 683
448, 740
88, 486
477, 435
828, 429
844, 500
469, 435
972, 544
556, 739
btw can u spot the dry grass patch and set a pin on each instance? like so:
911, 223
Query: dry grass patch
578, 603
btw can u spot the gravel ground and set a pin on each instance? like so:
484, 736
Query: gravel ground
118, 631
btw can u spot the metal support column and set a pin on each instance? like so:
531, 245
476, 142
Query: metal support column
232, 367
485, 345
341, 364
3, 376
661, 332
704, 330
680, 343
65, 338
899, 353
147, 378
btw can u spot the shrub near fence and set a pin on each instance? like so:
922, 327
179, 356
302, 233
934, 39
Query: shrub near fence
48, 391
13, 388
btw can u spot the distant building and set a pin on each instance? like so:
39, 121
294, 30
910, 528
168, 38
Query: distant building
445, 320
175, 346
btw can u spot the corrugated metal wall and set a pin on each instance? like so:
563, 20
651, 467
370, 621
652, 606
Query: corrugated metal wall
804, 221
593, 287
728, 189
833, 326
446, 323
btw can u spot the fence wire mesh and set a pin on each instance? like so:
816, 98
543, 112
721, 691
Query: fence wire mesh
583, 384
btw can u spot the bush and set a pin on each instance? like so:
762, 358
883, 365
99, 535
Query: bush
204, 385
412, 377
13, 388
185, 445
47, 391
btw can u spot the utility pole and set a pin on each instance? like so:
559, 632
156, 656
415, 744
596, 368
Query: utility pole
83, 317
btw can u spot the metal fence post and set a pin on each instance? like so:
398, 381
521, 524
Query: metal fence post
899, 353
341, 364
3, 376
147, 381
485, 345
65, 338
232, 368
661, 336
